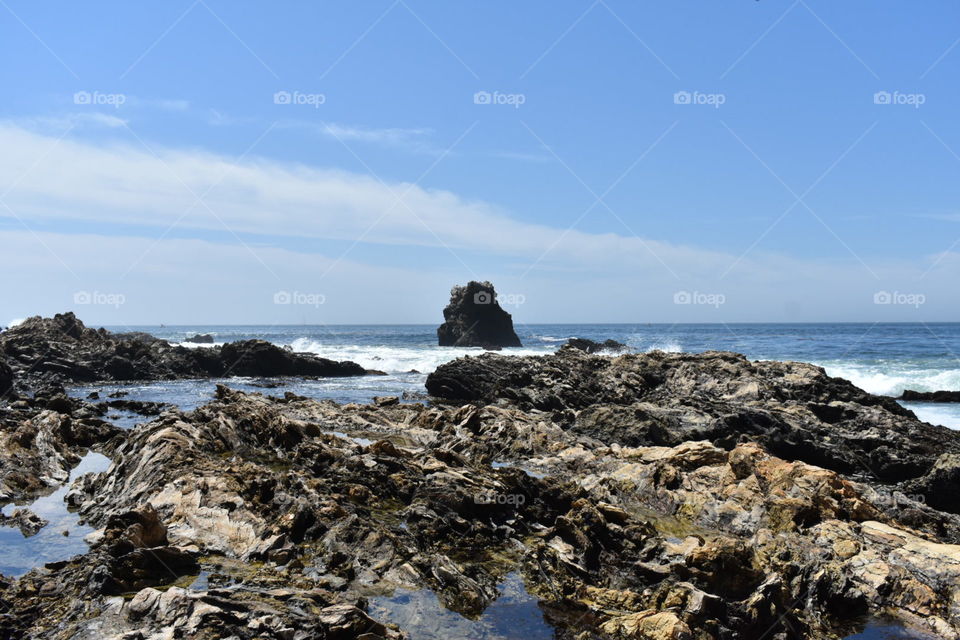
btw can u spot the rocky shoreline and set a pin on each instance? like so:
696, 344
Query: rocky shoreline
661, 496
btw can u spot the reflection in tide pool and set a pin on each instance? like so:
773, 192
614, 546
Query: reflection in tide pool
187, 395
18, 555
883, 629
515, 615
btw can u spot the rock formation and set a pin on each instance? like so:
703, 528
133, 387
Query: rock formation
61, 349
292, 526
930, 396
673, 496
200, 338
793, 409
591, 346
474, 318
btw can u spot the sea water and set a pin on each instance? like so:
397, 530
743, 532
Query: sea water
879, 358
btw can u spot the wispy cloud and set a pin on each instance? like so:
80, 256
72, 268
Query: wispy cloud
76, 184
64, 121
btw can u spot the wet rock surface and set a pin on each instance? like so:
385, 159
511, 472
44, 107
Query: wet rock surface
636, 496
296, 530
61, 349
474, 318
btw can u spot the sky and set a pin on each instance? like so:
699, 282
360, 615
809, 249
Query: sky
215, 162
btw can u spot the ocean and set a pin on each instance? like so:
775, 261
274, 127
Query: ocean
882, 358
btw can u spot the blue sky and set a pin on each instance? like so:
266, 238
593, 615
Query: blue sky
629, 153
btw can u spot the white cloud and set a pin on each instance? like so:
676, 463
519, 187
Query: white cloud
59, 124
579, 276
366, 134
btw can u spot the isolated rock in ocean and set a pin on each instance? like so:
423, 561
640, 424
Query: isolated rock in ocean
930, 396
592, 346
474, 318
200, 338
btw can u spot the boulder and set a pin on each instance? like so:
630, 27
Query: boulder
474, 318
200, 338
591, 346
259, 358
930, 396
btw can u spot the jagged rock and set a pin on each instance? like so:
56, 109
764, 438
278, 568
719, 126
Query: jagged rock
200, 338
638, 496
44, 350
27, 521
259, 358
930, 396
474, 318
795, 410
591, 346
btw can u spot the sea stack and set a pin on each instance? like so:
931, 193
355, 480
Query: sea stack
474, 318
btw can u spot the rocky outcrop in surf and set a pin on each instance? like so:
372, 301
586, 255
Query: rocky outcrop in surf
474, 318
930, 396
592, 346
62, 349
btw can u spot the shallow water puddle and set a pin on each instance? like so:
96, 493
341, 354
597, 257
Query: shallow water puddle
510, 465
515, 615
885, 629
18, 555
363, 442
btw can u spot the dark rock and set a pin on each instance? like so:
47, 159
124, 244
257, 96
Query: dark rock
590, 346
200, 338
793, 409
27, 521
6, 378
45, 350
259, 358
930, 396
474, 318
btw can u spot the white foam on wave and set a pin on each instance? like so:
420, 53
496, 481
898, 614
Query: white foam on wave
892, 381
554, 339
195, 345
667, 346
399, 359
